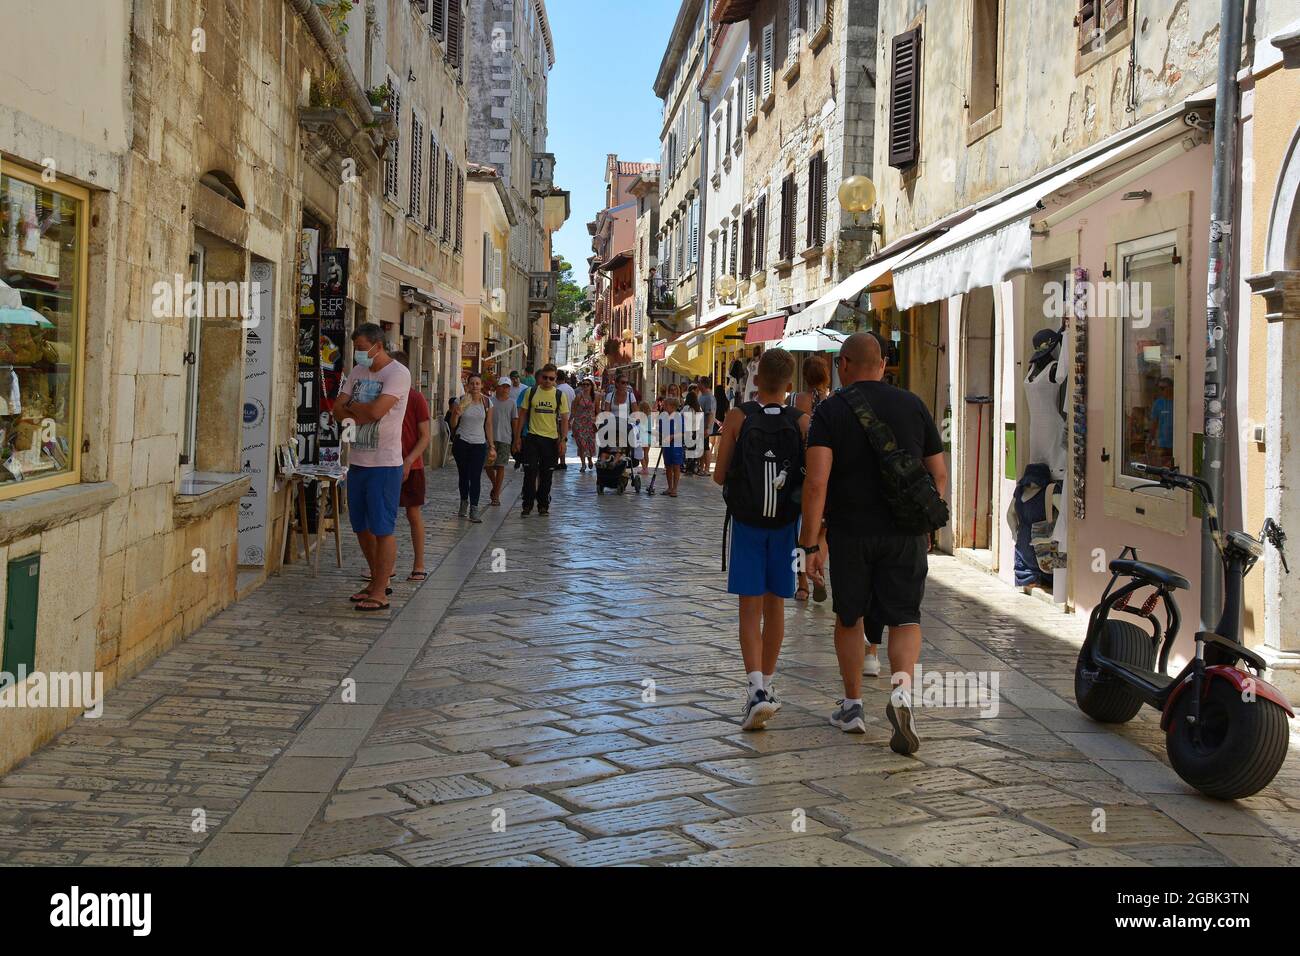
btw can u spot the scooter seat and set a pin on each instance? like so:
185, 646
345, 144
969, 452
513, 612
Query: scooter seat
1154, 573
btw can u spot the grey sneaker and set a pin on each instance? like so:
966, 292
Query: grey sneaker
759, 709
476, 515
464, 508
849, 719
899, 711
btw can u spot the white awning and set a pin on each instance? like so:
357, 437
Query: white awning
820, 313
995, 243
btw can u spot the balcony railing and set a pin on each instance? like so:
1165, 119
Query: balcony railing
662, 299
543, 173
541, 291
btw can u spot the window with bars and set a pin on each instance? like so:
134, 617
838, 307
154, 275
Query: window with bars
417, 168
789, 220
760, 233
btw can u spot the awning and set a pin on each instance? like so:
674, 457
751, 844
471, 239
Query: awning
766, 329
820, 313
995, 242
816, 340
692, 353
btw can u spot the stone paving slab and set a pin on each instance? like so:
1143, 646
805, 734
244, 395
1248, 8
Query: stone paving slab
570, 710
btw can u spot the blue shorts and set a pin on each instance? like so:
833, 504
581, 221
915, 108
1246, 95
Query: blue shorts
373, 494
762, 560
674, 455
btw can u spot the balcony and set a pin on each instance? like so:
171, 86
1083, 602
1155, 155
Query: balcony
543, 174
541, 291
662, 300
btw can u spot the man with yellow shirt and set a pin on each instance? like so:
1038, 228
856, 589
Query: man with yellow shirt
541, 430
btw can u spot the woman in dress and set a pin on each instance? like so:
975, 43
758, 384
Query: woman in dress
583, 424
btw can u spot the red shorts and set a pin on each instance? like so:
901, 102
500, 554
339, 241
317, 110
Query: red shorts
413, 490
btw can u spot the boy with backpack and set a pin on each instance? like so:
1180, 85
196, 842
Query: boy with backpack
760, 466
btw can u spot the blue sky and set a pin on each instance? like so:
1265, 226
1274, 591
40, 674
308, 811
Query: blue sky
601, 101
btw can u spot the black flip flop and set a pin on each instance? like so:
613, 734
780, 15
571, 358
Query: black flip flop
358, 600
361, 606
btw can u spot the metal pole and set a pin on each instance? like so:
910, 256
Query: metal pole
1218, 303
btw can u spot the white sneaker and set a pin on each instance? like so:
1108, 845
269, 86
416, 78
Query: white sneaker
871, 667
759, 709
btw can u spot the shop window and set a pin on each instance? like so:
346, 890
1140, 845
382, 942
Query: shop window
1149, 358
42, 283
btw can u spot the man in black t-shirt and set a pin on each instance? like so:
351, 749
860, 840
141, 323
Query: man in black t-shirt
877, 572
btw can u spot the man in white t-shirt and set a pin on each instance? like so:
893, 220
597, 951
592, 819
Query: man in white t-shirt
370, 407
516, 386
564, 386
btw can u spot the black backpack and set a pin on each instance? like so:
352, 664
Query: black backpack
764, 486
908, 488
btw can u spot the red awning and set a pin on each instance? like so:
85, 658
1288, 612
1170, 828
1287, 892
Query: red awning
767, 329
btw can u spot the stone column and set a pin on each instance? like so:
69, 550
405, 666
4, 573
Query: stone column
1281, 292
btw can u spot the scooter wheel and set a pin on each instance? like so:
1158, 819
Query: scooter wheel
1242, 743
1105, 698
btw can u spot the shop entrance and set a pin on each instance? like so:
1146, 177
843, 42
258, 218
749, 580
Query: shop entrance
974, 492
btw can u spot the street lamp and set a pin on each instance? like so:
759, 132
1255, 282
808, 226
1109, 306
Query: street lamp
727, 288
857, 194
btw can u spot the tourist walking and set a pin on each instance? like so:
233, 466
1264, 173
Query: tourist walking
760, 467
541, 429
709, 409
503, 416
472, 449
583, 423
671, 444
878, 568
562, 383
374, 400
817, 378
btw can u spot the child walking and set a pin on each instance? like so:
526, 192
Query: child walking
760, 467
671, 426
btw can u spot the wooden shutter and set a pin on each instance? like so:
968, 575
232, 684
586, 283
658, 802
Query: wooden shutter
735, 242
391, 171
760, 234
769, 44
438, 20
695, 232
446, 196
751, 87
789, 202
1086, 21
796, 25
460, 211
904, 98
455, 35
417, 168
1113, 12
435, 158
747, 244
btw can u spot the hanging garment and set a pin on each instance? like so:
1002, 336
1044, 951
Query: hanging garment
1047, 427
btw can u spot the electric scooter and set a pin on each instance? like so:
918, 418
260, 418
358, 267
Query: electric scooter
1226, 729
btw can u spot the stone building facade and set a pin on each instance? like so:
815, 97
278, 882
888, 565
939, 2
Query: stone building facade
512, 53
189, 149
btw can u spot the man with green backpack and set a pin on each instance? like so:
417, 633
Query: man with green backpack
876, 470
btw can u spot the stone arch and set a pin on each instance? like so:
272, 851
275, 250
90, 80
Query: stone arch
1283, 250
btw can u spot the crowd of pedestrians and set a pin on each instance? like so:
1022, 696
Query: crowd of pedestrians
807, 501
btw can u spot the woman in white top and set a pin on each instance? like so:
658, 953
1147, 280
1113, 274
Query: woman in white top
469, 417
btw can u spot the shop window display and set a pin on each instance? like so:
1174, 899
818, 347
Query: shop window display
1148, 362
41, 249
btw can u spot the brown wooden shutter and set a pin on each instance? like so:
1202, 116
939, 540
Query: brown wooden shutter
1113, 12
454, 34
904, 98
1086, 21
747, 256
438, 21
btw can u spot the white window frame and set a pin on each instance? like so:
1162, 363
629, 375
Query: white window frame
1162, 223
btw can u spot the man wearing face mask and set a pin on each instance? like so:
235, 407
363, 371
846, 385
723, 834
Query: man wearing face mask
373, 400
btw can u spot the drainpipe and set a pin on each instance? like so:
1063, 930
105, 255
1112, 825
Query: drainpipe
704, 170
1218, 304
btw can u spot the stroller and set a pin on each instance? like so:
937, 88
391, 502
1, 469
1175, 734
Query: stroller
615, 470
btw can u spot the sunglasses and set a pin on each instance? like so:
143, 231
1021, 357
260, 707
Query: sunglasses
548, 378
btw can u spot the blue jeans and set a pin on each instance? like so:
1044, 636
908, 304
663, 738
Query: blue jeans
470, 460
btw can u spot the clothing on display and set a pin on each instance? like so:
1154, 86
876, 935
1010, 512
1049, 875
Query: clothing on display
1032, 519
1047, 426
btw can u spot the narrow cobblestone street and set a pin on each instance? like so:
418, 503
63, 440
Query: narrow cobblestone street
503, 717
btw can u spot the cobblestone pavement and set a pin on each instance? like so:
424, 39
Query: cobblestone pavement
505, 718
